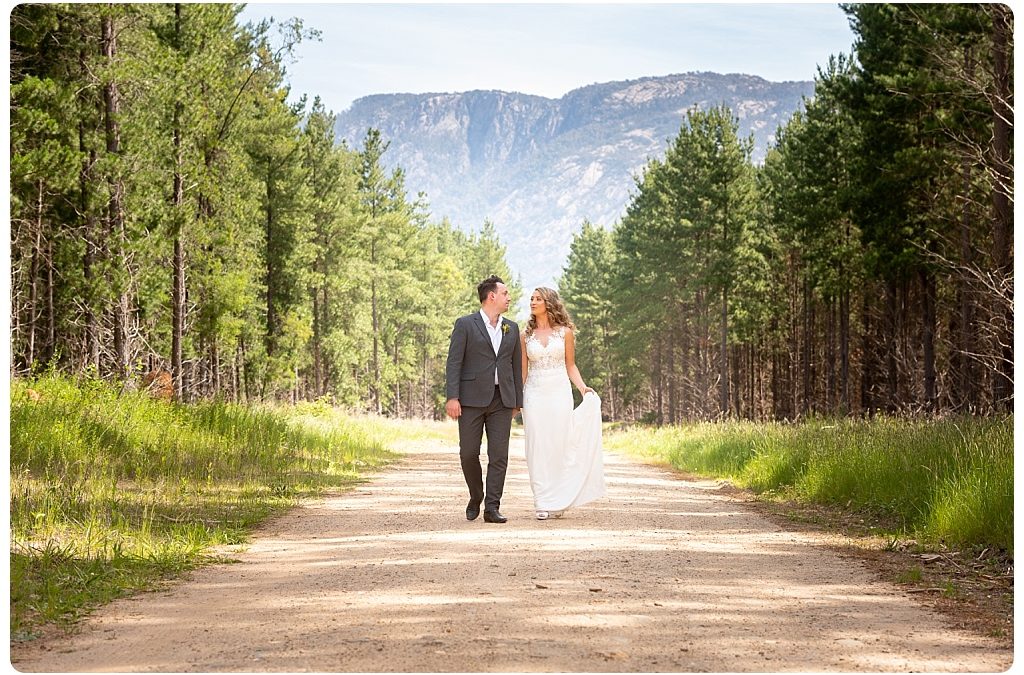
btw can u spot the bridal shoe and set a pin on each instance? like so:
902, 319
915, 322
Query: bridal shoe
542, 515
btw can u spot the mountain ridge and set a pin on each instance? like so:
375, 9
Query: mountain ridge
536, 167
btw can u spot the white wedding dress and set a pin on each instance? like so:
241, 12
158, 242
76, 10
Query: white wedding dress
563, 445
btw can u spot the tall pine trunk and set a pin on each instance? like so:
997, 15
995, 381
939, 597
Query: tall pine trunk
805, 353
1003, 212
317, 339
844, 350
178, 260
891, 339
867, 355
965, 398
793, 360
830, 355
776, 375
671, 376
928, 331
752, 363
965, 385
115, 206
397, 405
685, 367
375, 318
658, 381
270, 327
215, 366
33, 281
205, 221
737, 382
51, 311
328, 374
92, 333
723, 372
723, 355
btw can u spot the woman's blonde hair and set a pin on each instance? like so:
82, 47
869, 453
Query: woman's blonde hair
557, 314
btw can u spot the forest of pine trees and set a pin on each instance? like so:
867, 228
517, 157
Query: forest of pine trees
865, 267
172, 211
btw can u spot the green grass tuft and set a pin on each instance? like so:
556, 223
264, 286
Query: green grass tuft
112, 491
948, 480
913, 575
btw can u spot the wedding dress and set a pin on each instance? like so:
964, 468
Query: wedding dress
563, 445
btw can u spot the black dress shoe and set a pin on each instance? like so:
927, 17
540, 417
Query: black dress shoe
493, 516
472, 510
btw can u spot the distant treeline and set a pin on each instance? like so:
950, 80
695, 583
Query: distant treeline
171, 211
865, 267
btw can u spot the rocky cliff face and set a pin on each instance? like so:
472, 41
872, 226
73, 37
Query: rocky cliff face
538, 167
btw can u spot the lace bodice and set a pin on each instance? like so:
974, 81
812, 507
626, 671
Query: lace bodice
547, 357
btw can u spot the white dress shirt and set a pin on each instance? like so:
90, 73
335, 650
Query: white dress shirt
495, 333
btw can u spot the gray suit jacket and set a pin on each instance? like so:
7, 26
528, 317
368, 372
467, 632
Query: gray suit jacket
469, 374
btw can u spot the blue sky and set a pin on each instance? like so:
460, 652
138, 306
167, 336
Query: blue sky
547, 49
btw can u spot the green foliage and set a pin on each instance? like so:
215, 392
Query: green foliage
165, 149
112, 490
587, 286
307, 271
687, 242
810, 182
855, 270
483, 254
943, 480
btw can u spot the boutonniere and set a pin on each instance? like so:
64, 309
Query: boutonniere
504, 328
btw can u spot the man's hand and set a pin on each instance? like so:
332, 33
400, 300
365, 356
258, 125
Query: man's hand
453, 408
515, 412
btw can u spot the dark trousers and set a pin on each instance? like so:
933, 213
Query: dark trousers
497, 420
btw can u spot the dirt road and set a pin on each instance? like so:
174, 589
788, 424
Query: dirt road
661, 575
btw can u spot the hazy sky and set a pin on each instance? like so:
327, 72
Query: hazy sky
548, 49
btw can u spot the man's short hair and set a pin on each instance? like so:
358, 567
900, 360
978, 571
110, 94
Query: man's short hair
487, 286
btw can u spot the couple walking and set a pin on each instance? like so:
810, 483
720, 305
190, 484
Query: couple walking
492, 373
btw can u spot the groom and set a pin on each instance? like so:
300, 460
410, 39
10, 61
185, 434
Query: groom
484, 386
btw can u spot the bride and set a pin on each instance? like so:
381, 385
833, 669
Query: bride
563, 445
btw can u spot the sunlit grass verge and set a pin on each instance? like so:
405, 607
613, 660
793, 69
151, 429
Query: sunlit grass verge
947, 480
111, 492
444, 431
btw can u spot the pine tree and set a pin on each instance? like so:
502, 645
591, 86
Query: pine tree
586, 286
44, 174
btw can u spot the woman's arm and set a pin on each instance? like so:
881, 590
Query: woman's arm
570, 362
526, 360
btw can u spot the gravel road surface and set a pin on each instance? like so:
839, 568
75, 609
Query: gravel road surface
663, 574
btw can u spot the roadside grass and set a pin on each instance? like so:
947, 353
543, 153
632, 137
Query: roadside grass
111, 492
941, 480
406, 430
